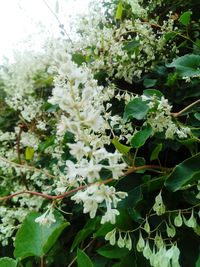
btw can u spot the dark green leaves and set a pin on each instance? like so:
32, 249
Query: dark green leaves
183, 173
140, 137
185, 18
33, 239
137, 108
188, 65
8, 262
83, 260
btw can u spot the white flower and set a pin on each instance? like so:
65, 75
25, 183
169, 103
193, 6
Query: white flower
79, 150
110, 216
46, 219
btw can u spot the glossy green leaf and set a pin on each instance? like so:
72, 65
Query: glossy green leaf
119, 11
141, 137
7, 262
185, 18
136, 109
188, 65
183, 173
29, 153
33, 239
83, 260
155, 152
112, 252
120, 147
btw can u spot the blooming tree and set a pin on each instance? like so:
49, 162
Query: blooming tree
99, 134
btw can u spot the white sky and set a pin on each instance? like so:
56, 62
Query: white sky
20, 20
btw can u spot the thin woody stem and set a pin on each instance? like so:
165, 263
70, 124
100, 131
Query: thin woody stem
66, 194
27, 167
177, 114
18, 143
57, 18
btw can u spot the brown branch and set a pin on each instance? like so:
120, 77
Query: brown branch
54, 197
18, 142
177, 114
61, 196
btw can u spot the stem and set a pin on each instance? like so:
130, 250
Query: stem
42, 261
27, 167
57, 18
74, 259
18, 143
177, 114
66, 194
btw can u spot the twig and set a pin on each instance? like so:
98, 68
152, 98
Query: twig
57, 18
66, 194
27, 167
177, 114
18, 143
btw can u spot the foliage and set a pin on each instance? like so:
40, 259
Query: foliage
99, 142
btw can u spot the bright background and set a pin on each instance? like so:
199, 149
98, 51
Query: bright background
26, 23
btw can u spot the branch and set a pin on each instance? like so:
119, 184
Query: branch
66, 194
18, 143
177, 114
57, 18
27, 167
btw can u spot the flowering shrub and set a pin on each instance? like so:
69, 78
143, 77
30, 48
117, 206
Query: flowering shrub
99, 154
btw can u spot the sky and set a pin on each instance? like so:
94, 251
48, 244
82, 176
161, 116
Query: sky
25, 23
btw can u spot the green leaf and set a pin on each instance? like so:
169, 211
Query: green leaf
183, 173
136, 109
79, 59
152, 92
104, 229
8, 262
29, 153
169, 35
130, 46
83, 260
120, 147
197, 116
185, 18
134, 196
149, 82
112, 252
88, 229
188, 65
155, 152
33, 239
48, 142
119, 11
198, 261
140, 137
